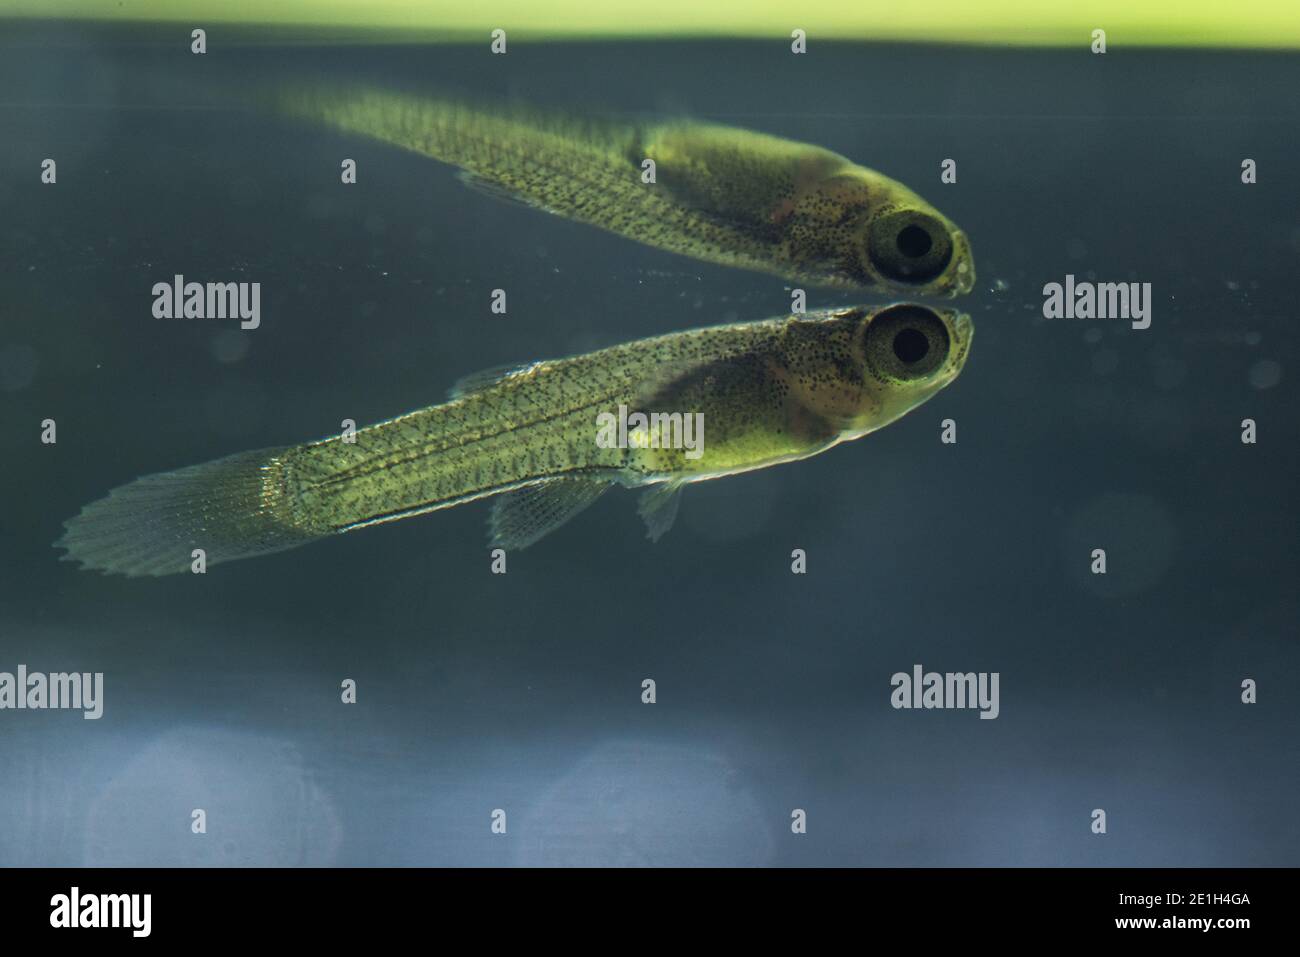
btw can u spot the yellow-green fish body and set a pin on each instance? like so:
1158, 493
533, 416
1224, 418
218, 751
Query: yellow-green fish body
762, 393
719, 194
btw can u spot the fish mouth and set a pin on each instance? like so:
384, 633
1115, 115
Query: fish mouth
963, 331
964, 270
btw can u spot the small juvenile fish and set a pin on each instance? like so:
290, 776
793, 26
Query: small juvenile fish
768, 392
721, 194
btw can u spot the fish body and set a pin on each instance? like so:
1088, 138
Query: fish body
763, 393
718, 194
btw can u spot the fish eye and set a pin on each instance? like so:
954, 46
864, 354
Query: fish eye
909, 246
910, 345
906, 343
913, 241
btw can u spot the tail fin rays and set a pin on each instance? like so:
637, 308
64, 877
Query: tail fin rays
231, 508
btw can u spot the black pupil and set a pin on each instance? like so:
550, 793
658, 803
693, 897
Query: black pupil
913, 242
911, 345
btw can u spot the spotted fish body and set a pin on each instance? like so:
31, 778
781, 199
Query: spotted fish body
720, 194
769, 392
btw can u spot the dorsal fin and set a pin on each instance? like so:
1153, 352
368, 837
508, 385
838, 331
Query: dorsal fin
485, 186
486, 378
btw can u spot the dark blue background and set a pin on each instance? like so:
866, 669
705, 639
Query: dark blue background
522, 691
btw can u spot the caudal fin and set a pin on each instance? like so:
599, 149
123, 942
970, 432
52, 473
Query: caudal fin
231, 508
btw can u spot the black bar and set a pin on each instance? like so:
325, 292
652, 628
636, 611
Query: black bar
331, 906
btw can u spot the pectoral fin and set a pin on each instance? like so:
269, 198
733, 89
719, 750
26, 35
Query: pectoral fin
522, 517
730, 175
658, 508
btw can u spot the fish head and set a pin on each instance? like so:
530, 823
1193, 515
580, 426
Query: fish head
903, 244
908, 352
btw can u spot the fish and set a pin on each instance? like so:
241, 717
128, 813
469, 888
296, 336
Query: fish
718, 194
539, 438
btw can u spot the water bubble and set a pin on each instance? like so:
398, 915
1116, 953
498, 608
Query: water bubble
263, 800
1265, 374
646, 803
230, 345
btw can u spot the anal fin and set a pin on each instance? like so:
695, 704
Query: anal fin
521, 517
